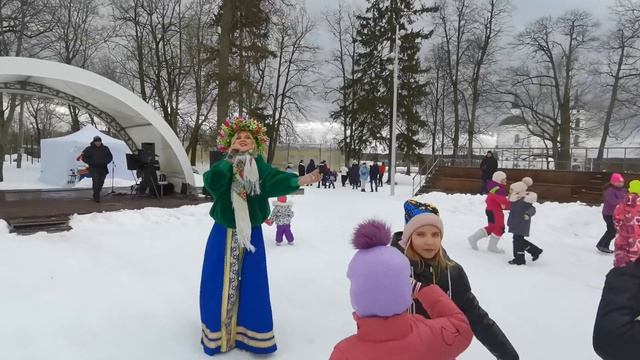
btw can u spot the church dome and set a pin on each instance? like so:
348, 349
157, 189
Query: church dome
513, 120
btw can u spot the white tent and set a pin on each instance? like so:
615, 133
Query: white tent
58, 156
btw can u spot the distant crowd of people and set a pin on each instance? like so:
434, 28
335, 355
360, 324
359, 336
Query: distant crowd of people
357, 176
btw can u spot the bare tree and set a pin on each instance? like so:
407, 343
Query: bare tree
438, 98
488, 25
293, 68
556, 45
340, 86
455, 27
224, 53
151, 38
535, 96
202, 94
76, 36
44, 119
622, 66
131, 40
22, 22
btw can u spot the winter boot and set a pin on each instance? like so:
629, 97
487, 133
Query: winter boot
535, 253
605, 250
493, 244
477, 236
518, 261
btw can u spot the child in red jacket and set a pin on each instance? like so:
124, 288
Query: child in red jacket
496, 202
381, 294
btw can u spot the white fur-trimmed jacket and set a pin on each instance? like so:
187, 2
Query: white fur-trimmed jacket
522, 210
282, 213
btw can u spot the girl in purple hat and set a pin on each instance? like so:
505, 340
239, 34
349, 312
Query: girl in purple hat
381, 294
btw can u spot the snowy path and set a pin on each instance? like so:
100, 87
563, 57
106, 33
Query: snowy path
125, 285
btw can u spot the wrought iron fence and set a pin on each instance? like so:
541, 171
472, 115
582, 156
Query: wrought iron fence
625, 159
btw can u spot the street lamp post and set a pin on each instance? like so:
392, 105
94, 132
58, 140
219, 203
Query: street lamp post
392, 170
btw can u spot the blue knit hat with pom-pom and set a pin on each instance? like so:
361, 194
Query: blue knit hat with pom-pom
416, 215
379, 274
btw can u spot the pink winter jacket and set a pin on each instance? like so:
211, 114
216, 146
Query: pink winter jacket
626, 218
410, 337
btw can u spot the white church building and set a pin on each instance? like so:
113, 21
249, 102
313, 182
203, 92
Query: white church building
518, 147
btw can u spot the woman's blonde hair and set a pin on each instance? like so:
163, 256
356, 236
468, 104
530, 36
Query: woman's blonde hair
439, 262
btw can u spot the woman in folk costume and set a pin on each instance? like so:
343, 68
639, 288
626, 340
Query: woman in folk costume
235, 308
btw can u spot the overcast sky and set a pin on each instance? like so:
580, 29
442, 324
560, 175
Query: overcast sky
524, 11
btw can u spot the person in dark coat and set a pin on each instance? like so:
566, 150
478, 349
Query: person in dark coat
488, 166
616, 332
436, 267
97, 156
374, 172
519, 222
310, 168
301, 168
354, 176
324, 172
614, 194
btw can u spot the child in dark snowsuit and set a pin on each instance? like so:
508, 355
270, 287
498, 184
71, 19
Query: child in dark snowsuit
519, 222
614, 194
282, 215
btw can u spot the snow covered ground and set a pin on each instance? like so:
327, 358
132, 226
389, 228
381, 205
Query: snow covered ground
124, 285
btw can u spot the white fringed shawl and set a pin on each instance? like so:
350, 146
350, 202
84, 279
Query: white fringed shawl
246, 182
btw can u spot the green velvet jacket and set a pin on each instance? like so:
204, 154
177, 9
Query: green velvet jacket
273, 183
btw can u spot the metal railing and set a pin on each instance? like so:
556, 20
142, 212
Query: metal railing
424, 174
624, 159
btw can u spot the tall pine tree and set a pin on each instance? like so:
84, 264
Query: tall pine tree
374, 79
241, 52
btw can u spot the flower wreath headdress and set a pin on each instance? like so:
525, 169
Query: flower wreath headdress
231, 127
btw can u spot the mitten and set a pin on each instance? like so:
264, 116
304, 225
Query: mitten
416, 286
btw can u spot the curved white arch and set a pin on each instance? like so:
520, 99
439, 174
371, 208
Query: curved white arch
138, 119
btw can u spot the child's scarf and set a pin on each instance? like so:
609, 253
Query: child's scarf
246, 182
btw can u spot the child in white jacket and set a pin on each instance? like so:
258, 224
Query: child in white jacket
282, 214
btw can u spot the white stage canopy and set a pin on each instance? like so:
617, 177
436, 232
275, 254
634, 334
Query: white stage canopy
124, 112
58, 156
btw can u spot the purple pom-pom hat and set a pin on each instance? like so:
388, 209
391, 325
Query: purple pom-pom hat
379, 274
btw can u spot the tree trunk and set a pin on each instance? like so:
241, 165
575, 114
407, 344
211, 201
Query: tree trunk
471, 131
223, 63
75, 119
140, 54
564, 155
612, 103
6, 121
20, 132
456, 122
194, 146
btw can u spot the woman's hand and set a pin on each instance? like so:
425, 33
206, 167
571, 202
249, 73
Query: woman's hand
312, 177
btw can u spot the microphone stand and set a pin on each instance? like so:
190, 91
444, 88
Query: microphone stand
112, 192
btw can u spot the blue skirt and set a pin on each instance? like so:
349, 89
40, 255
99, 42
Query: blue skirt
235, 308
